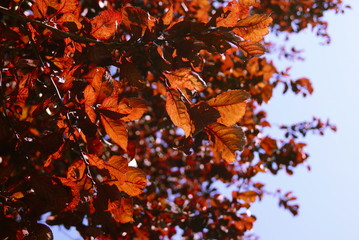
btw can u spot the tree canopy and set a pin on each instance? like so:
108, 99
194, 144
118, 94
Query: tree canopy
120, 117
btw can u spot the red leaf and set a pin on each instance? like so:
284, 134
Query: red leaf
117, 131
105, 25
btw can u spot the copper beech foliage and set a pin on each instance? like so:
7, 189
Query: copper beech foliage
89, 87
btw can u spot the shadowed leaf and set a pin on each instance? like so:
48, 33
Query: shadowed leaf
201, 115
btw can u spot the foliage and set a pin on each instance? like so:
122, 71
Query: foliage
89, 87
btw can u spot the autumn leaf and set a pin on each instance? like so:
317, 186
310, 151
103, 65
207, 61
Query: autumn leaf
245, 5
121, 210
185, 78
128, 109
248, 196
138, 108
253, 28
76, 170
251, 48
70, 22
177, 111
117, 131
74, 191
226, 140
96, 161
105, 25
131, 74
117, 167
90, 100
135, 17
231, 15
134, 183
201, 115
231, 105
47, 8
168, 16
101, 81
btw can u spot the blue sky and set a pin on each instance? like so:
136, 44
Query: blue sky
328, 195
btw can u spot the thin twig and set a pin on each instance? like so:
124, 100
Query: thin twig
71, 125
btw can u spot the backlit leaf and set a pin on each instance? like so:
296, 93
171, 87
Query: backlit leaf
121, 210
105, 25
138, 108
117, 131
74, 191
253, 28
248, 196
231, 105
135, 17
168, 16
231, 15
76, 170
90, 100
70, 22
177, 111
226, 140
134, 183
101, 81
117, 167
185, 78
251, 48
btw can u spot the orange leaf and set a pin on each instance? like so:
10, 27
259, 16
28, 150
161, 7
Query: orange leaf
226, 140
127, 110
121, 210
105, 25
135, 17
253, 28
245, 5
117, 166
177, 111
248, 196
230, 105
68, 21
96, 161
74, 191
76, 170
117, 131
134, 183
90, 100
168, 16
231, 15
101, 81
138, 108
185, 78
251, 48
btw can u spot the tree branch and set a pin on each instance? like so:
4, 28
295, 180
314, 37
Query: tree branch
73, 36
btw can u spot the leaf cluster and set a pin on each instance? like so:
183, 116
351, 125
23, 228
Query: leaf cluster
127, 114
